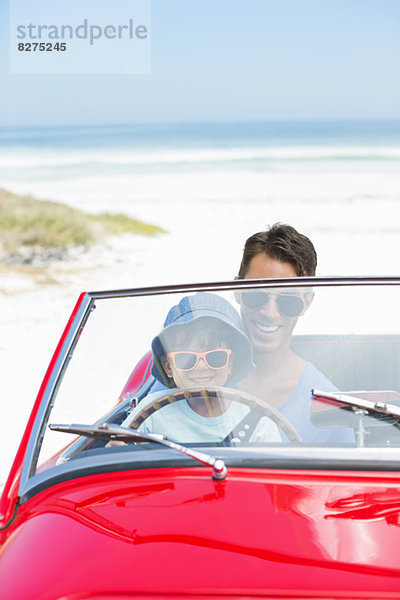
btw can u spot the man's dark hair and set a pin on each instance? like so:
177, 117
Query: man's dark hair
281, 242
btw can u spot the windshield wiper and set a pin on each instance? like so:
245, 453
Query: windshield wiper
390, 410
124, 434
360, 409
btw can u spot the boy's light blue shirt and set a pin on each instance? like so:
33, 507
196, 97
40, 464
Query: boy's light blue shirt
180, 423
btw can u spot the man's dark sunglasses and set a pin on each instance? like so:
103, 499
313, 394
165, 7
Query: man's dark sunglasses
289, 305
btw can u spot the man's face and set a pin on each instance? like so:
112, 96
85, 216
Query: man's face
268, 329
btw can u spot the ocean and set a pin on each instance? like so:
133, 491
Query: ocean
204, 162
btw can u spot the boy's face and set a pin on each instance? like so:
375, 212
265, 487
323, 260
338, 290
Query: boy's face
201, 374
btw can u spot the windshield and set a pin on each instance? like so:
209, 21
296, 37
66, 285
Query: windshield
227, 369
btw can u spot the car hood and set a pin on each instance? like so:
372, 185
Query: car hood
176, 531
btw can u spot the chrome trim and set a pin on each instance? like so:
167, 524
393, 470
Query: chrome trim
38, 429
245, 284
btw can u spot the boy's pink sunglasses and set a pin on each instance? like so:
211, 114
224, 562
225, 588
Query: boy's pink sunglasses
185, 360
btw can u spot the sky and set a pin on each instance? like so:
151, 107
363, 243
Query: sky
229, 60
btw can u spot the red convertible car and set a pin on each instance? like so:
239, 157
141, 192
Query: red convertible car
224, 440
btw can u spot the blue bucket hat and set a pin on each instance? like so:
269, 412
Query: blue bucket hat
208, 307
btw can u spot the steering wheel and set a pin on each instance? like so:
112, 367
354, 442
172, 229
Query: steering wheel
210, 393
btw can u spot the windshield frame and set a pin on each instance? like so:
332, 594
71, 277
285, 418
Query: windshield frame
30, 481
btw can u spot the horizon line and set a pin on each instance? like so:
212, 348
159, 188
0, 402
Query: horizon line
204, 122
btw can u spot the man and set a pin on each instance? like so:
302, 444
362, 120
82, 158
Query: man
281, 377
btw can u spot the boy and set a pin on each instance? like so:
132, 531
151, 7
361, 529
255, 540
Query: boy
202, 345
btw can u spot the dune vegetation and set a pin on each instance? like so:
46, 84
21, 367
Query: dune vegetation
32, 227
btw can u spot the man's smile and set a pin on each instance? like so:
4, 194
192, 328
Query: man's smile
266, 328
